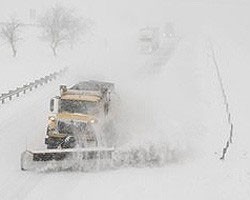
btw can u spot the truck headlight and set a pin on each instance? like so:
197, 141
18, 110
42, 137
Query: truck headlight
52, 118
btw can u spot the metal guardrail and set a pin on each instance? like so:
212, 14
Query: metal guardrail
30, 86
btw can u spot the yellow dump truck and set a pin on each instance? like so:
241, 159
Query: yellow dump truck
76, 128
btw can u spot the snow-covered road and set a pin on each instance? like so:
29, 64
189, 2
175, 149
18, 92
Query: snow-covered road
201, 172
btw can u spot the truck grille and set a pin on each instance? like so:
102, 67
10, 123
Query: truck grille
71, 127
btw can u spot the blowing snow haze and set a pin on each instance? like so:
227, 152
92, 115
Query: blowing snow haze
180, 108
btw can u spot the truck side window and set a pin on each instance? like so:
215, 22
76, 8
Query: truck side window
52, 102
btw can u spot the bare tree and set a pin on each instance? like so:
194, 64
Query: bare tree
10, 33
60, 26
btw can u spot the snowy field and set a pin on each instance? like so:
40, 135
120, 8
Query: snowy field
179, 103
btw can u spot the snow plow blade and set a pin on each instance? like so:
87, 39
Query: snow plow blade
83, 159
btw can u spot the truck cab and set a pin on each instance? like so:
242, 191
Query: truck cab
76, 113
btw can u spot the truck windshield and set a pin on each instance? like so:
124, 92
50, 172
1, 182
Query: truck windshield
83, 107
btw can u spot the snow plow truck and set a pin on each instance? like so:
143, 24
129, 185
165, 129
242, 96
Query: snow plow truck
149, 40
75, 136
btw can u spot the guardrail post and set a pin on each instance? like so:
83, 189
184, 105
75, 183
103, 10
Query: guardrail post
231, 134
